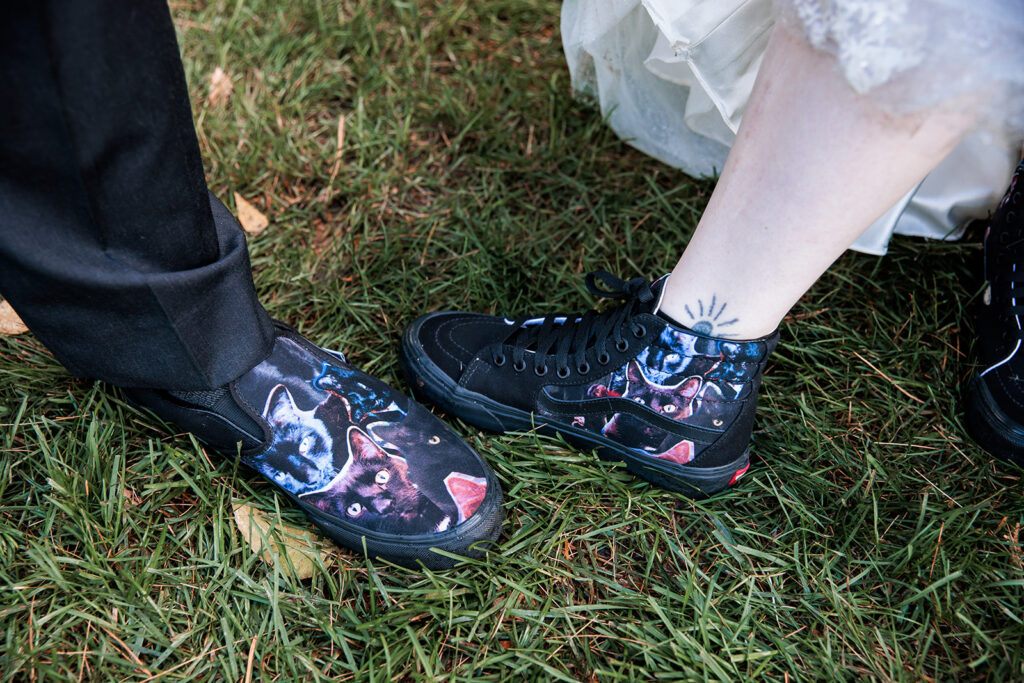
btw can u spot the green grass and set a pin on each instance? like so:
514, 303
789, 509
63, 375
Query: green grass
871, 538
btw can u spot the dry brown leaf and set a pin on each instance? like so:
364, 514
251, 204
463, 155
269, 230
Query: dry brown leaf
301, 545
10, 323
252, 220
221, 86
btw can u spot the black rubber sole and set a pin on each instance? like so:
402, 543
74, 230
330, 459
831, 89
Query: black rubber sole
990, 427
432, 384
471, 539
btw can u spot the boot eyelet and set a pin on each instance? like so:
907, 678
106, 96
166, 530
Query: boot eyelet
540, 370
642, 333
520, 366
604, 359
622, 346
563, 373
583, 369
499, 361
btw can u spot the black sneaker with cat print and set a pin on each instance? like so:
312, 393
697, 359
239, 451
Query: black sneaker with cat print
995, 397
677, 406
372, 468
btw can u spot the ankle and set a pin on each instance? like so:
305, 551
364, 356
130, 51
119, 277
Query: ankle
698, 317
713, 316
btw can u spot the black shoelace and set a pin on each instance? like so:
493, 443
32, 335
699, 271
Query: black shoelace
567, 339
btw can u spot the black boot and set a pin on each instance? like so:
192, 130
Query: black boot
995, 397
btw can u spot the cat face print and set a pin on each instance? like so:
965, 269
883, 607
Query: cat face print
301, 448
373, 491
447, 470
675, 401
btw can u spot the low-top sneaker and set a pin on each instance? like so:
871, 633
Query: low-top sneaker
376, 471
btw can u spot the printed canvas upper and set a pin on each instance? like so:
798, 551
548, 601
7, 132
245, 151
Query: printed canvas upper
356, 449
682, 378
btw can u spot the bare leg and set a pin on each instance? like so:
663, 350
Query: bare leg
813, 165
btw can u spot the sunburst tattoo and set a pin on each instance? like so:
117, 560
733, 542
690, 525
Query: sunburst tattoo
708, 318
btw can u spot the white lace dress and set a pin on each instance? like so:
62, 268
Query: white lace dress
673, 78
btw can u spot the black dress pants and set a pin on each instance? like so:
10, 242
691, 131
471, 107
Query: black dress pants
111, 249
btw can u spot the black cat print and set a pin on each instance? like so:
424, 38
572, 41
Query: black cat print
353, 447
684, 377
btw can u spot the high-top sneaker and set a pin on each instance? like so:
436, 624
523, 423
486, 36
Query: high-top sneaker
995, 397
676, 405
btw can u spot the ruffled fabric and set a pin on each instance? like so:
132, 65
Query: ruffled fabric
916, 54
673, 78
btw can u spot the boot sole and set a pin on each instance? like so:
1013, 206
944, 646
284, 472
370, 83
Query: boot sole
431, 383
990, 427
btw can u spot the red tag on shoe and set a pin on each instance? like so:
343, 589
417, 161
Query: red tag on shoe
739, 473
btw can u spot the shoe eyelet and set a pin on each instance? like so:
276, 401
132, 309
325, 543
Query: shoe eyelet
520, 366
642, 333
622, 346
540, 370
563, 373
604, 359
583, 369
499, 361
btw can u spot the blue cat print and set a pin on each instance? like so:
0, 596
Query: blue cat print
347, 444
687, 378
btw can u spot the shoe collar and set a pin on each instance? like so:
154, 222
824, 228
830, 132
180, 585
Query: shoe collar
658, 287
